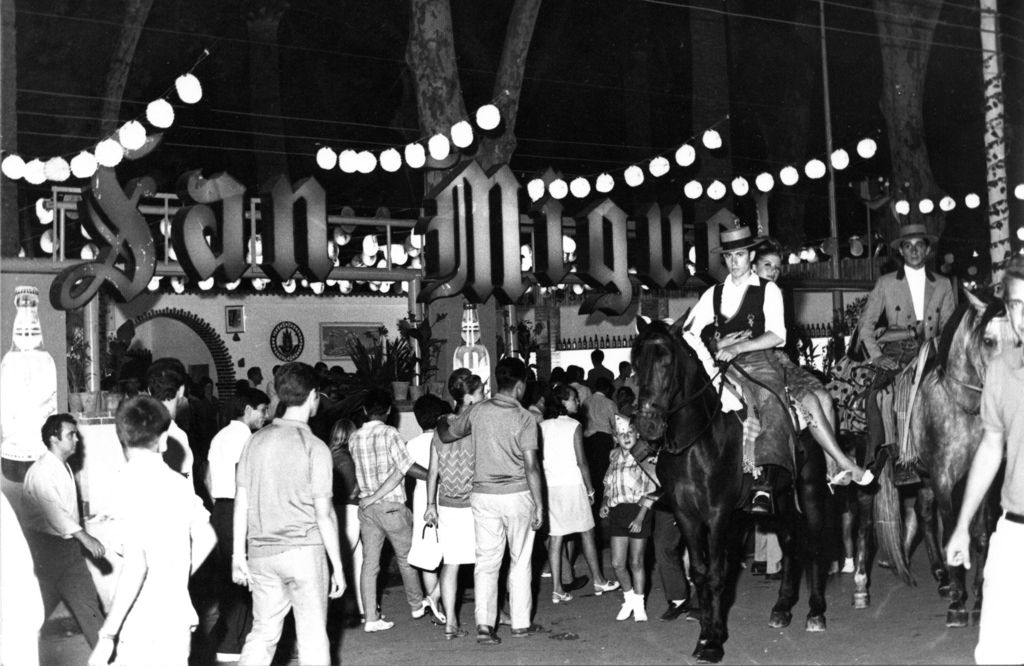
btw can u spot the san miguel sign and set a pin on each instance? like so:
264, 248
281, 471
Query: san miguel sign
471, 248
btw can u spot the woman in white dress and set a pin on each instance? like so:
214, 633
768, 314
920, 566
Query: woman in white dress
570, 494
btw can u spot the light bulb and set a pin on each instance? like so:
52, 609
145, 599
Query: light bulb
634, 176
13, 167
348, 161
462, 134
109, 153
659, 167
568, 245
972, 200
56, 169
740, 186
326, 158
926, 206
947, 203
580, 187
160, 113
866, 148
711, 139
902, 207
716, 190
840, 159
789, 176
764, 182
535, 189
693, 189
685, 155
415, 155
189, 89
439, 147
83, 165
605, 183
488, 117
815, 169
365, 162
390, 160
132, 135
35, 173
558, 188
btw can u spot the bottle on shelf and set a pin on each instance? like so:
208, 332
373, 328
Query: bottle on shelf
471, 354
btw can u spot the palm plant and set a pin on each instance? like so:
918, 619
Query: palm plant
379, 361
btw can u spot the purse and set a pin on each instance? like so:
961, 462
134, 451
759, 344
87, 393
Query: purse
425, 552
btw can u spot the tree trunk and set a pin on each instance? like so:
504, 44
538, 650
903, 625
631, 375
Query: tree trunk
10, 222
431, 57
135, 14
262, 24
906, 47
509, 82
995, 141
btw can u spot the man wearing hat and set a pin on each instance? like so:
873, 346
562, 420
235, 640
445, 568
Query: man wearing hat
916, 303
745, 316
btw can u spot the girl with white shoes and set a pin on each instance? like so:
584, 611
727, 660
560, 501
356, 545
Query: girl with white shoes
629, 494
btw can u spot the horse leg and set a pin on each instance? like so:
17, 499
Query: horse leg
812, 525
930, 532
713, 648
956, 613
789, 584
981, 531
865, 547
695, 535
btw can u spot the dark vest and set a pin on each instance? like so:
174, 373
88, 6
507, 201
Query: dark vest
749, 316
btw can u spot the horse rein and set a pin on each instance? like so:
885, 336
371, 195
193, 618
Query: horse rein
647, 414
977, 389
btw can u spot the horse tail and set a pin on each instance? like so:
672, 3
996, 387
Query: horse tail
889, 524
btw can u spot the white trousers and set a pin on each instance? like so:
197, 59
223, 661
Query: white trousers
999, 637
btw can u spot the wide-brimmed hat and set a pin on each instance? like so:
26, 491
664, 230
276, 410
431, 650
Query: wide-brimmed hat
912, 231
736, 238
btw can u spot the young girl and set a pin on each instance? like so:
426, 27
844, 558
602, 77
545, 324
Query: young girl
427, 409
346, 491
629, 494
569, 489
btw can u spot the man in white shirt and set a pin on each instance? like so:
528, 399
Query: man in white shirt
745, 316
248, 412
54, 532
165, 379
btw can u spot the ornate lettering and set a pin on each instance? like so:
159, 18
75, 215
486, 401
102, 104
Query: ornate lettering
224, 253
662, 258
601, 253
548, 258
294, 242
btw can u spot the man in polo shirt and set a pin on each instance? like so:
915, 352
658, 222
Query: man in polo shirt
1002, 413
248, 411
506, 498
284, 514
165, 379
166, 535
54, 531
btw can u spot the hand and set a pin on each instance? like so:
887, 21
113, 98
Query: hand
101, 653
93, 545
637, 523
885, 363
725, 355
603, 511
337, 586
732, 338
958, 551
365, 502
590, 496
538, 517
430, 516
240, 573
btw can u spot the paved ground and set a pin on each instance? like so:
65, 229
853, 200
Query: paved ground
904, 625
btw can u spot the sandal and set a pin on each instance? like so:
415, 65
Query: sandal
560, 597
436, 616
609, 585
451, 634
485, 635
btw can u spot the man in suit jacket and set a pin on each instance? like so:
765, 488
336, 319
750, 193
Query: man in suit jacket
916, 303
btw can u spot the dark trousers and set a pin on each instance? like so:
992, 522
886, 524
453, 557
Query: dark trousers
64, 576
235, 601
668, 555
597, 449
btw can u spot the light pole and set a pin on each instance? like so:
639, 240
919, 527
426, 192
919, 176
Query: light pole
837, 297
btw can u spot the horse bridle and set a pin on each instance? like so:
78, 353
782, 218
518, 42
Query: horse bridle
972, 387
656, 420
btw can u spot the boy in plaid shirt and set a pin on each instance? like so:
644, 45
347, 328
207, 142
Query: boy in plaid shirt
382, 460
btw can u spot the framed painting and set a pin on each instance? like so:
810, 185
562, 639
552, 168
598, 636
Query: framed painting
334, 338
234, 318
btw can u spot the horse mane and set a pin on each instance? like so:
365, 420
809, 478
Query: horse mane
993, 308
947, 335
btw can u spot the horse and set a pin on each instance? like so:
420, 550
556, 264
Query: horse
945, 429
700, 466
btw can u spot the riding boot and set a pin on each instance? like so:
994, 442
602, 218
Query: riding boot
762, 497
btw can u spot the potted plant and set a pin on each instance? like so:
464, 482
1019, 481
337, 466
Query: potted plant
380, 361
421, 331
78, 368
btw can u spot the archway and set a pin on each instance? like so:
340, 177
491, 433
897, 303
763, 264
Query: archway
222, 361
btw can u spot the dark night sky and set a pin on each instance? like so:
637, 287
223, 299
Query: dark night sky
343, 84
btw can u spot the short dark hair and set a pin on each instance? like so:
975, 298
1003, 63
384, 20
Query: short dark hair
252, 372
574, 373
533, 393
557, 375
378, 402
624, 395
768, 246
597, 356
250, 397
604, 385
293, 382
164, 377
53, 425
428, 408
559, 394
461, 383
140, 421
508, 372
625, 365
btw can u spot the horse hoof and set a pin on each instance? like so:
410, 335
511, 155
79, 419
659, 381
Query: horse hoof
710, 655
780, 619
861, 600
815, 623
944, 591
957, 618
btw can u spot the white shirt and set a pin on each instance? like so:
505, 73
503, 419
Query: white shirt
419, 451
51, 498
225, 450
178, 449
732, 297
915, 280
560, 465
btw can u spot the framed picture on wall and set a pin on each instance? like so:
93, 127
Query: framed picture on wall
334, 338
234, 318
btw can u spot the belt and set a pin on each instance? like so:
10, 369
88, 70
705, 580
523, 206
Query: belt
1014, 517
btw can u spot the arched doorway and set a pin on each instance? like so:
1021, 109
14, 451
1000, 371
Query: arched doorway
222, 362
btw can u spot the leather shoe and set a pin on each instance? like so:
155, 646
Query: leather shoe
528, 631
485, 635
761, 503
675, 610
576, 583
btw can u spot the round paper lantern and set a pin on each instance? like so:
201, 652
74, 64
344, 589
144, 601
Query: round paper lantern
535, 189
577, 289
326, 158
57, 169
840, 159
568, 245
35, 173
165, 227
948, 258
525, 258
189, 89
341, 237
659, 167
370, 246
83, 165
317, 287
947, 203
345, 286
109, 153
866, 148
259, 284
789, 176
13, 167
348, 161
398, 254
685, 155
815, 169
716, 190
634, 176
856, 246
462, 134
365, 162
972, 200
160, 113
740, 186
231, 286
926, 206
711, 139
764, 182
85, 232
793, 258
154, 283
289, 286
903, 207
1019, 191
693, 189
178, 285
206, 284
1020, 233
390, 160
580, 187
605, 183
488, 117
439, 147
43, 211
415, 156
558, 188
132, 135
